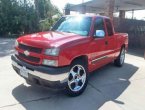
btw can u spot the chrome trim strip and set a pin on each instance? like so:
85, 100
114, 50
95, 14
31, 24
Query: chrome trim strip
60, 77
101, 58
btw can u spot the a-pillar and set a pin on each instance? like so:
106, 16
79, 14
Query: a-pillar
109, 8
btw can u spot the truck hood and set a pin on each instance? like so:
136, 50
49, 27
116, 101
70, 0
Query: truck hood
49, 39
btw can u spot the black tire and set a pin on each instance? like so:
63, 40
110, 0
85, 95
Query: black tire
69, 91
120, 59
30, 83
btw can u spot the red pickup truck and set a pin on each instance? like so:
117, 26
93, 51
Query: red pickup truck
63, 57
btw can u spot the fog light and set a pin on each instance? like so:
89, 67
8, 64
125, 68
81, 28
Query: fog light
16, 52
50, 62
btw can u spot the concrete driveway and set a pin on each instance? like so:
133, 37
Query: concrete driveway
110, 88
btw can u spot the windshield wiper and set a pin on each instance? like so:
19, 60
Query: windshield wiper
67, 31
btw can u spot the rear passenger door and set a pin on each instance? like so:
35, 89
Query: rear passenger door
110, 40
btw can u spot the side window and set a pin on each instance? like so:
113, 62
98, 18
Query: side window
109, 27
99, 25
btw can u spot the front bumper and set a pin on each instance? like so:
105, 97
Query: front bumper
46, 76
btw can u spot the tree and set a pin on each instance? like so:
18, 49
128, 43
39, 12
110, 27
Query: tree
45, 11
45, 8
22, 16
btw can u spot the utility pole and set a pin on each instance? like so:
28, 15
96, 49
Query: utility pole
83, 8
67, 9
109, 8
132, 14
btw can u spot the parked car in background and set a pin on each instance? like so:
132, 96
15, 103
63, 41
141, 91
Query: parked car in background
64, 57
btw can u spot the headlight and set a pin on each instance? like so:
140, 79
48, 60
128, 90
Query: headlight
52, 52
16, 43
50, 62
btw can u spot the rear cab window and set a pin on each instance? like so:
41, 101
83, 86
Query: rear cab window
109, 27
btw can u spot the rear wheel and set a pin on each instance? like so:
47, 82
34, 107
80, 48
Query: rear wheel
120, 60
77, 79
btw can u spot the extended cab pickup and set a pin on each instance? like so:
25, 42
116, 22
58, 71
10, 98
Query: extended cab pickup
63, 57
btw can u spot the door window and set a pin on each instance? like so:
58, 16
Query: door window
99, 25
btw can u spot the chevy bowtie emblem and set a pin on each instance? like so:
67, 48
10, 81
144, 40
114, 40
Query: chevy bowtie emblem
27, 53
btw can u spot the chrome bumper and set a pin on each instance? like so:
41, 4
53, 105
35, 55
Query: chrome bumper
62, 78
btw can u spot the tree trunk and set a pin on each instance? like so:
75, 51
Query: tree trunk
36, 2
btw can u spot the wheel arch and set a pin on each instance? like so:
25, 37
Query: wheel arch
83, 58
123, 46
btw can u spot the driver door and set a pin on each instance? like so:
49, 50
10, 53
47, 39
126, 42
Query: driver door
99, 54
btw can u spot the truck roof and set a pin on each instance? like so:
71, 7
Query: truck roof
93, 16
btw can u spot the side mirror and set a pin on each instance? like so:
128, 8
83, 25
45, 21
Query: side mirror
100, 33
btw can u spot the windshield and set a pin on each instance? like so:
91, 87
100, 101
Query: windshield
78, 25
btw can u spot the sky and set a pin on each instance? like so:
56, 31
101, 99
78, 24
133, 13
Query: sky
61, 4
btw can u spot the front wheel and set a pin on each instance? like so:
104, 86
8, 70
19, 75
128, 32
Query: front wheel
120, 60
77, 79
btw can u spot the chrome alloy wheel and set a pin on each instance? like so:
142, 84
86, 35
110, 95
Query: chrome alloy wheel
77, 78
